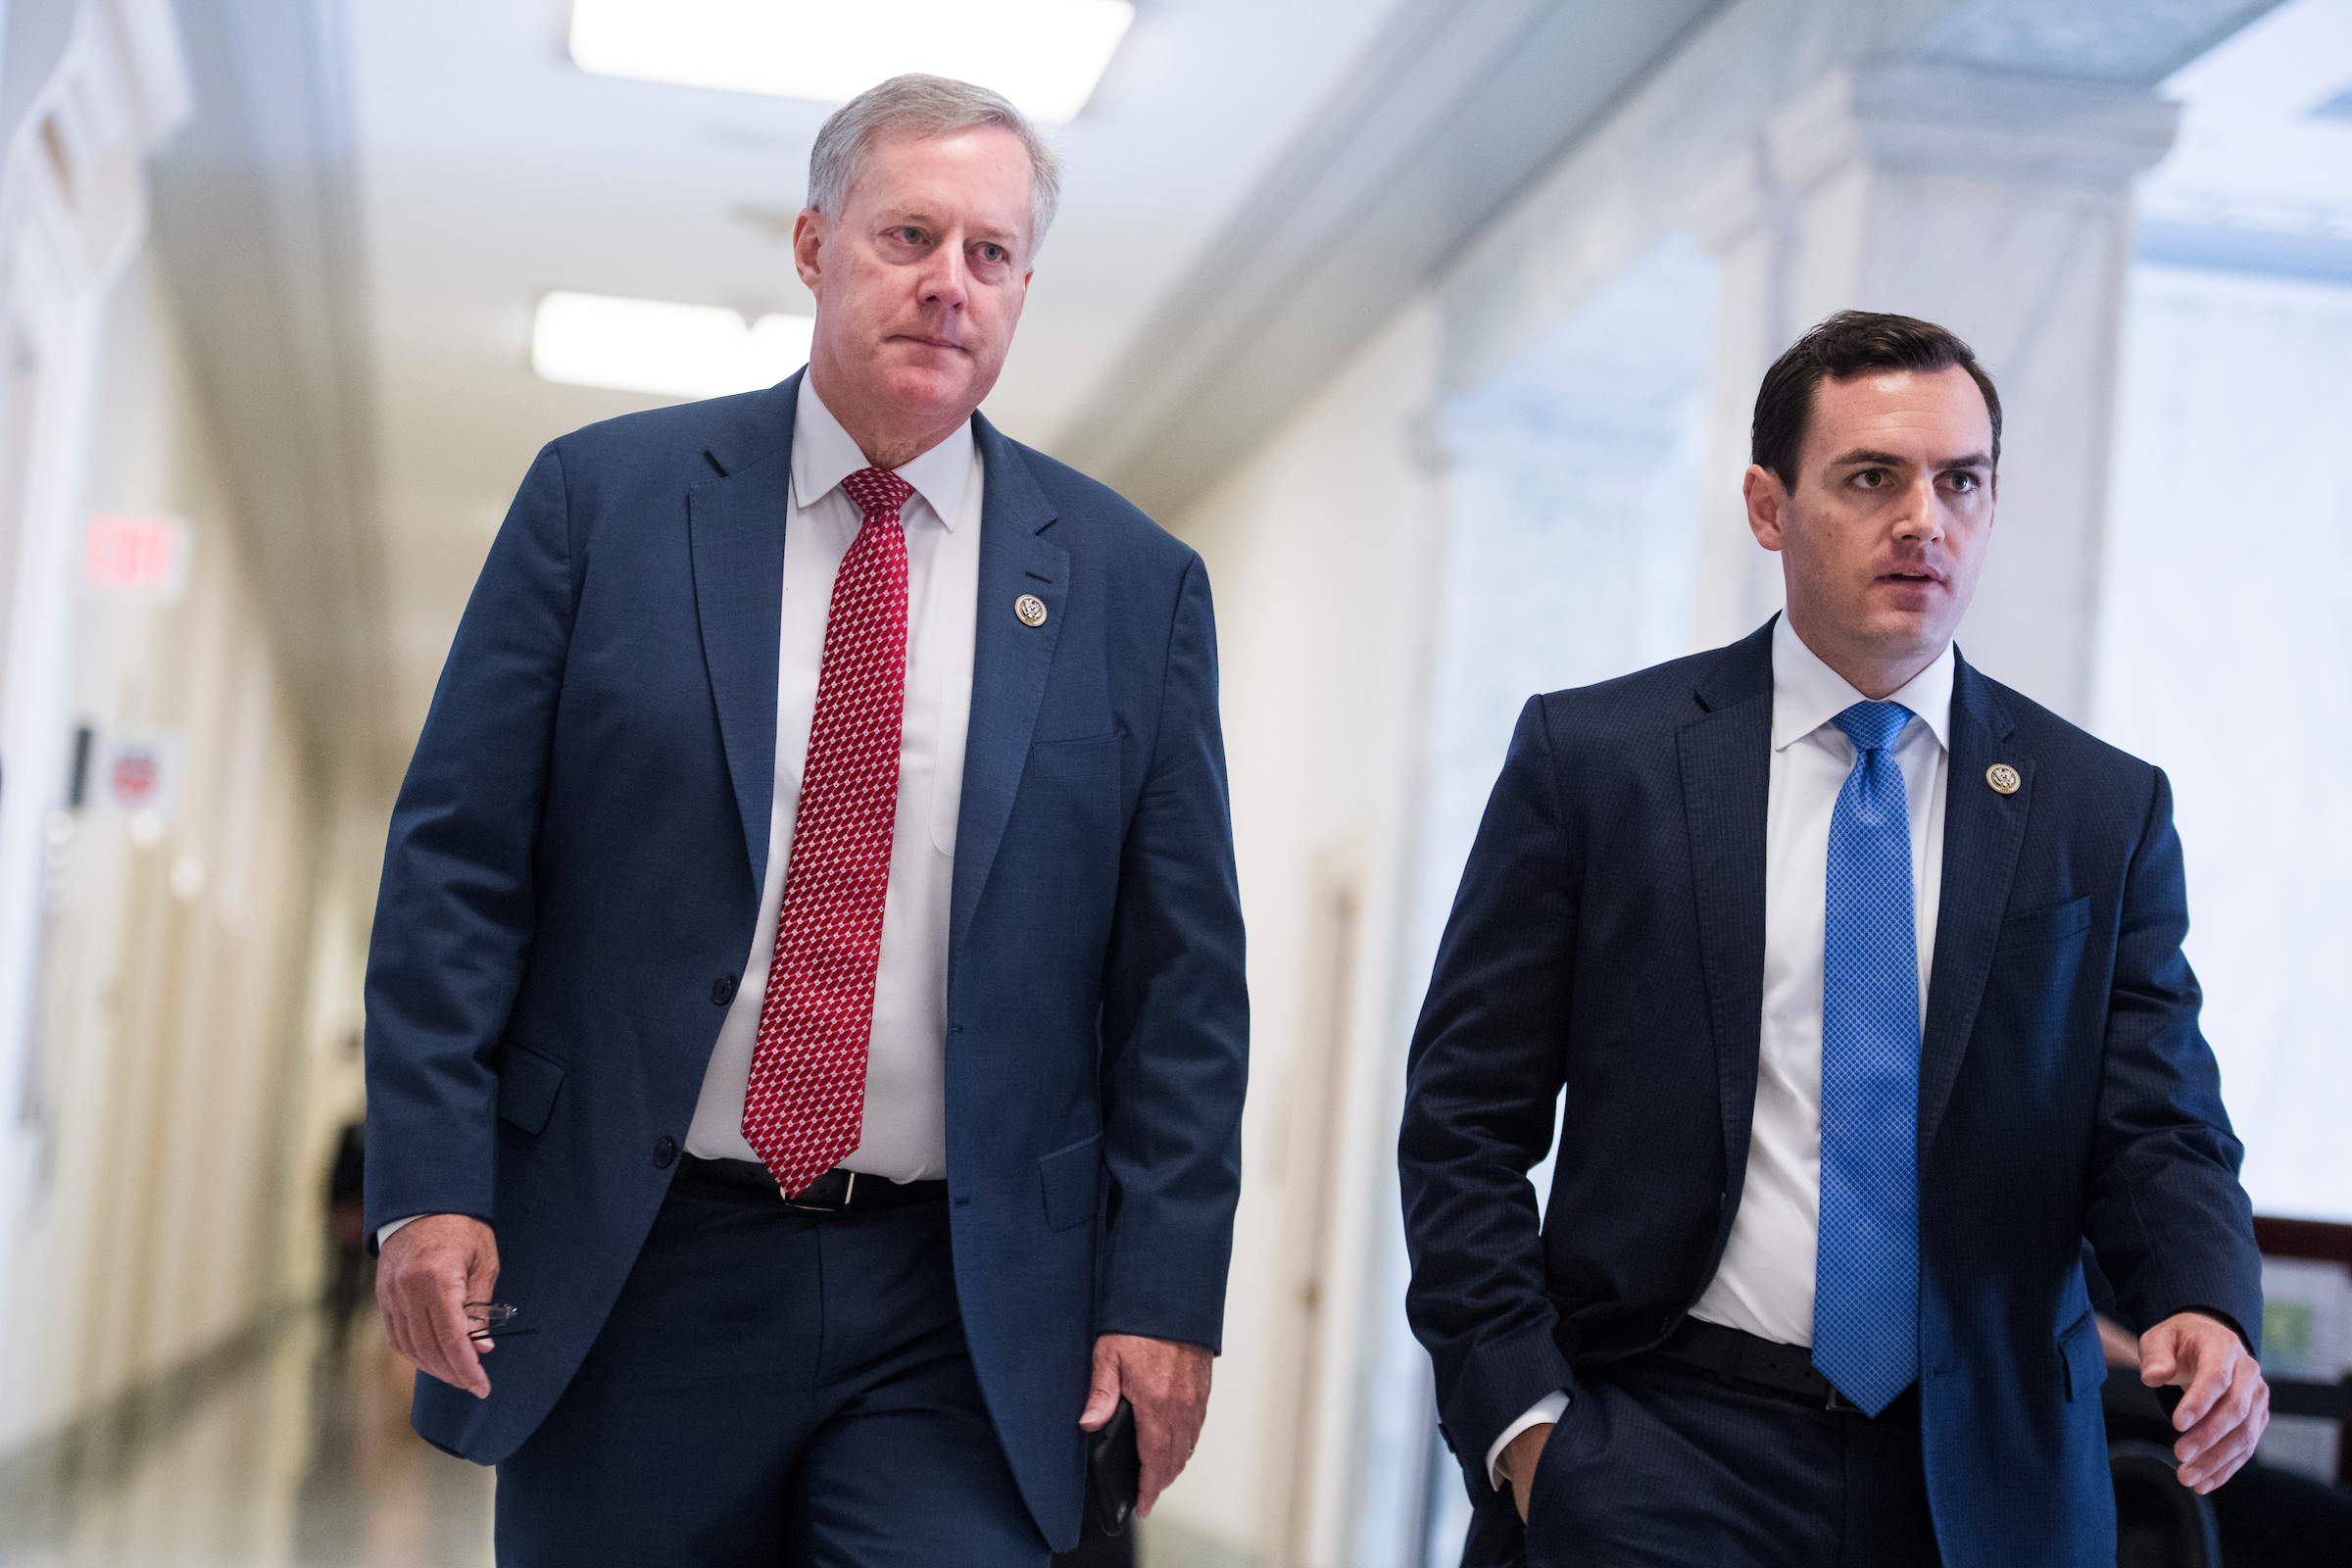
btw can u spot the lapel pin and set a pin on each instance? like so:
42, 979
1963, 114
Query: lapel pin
2001, 776
1032, 610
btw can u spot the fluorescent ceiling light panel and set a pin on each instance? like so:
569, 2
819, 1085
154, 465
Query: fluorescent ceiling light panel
686, 350
1045, 55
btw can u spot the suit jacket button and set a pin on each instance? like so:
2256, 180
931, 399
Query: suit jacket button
722, 990
665, 1150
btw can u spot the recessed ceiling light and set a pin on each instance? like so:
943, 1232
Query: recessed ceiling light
687, 351
1045, 55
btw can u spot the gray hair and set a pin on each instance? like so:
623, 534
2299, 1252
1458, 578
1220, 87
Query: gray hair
924, 107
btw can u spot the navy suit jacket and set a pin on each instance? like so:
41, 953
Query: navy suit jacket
574, 872
1608, 940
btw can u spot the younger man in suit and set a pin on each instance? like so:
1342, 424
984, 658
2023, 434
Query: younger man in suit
1862, 977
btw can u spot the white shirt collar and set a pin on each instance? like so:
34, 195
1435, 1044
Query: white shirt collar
824, 454
1807, 694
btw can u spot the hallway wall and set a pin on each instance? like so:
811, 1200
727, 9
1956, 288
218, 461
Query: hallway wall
169, 1206
1322, 552
2227, 625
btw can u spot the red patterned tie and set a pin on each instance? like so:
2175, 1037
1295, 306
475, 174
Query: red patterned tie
804, 1107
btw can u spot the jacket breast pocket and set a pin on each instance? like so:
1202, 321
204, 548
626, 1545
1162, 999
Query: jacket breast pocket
527, 1084
1072, 1177
2037, 927
1078, 759
2084, 1357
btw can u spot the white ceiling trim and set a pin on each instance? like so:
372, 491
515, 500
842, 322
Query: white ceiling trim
1456, 105
257, 223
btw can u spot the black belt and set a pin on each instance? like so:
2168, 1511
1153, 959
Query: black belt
1735, 1355
836, 1192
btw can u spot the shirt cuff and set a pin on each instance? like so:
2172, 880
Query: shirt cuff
1551, 1407
383, 1233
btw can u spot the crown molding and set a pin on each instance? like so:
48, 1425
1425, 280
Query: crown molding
257, 228
1935, 119
1456, 106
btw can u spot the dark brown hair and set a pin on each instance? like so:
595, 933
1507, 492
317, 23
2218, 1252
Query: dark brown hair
1848, 344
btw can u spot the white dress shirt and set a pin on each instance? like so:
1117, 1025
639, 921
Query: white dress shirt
1764, 1284
904, 1136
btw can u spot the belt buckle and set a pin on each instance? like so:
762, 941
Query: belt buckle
849, 1189
1838, 1404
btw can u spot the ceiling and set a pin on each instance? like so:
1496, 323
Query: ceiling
372, 197
490, 170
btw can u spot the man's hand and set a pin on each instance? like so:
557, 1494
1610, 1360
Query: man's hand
1518, 1463
2228, 1404
427, 1272
1167, 1383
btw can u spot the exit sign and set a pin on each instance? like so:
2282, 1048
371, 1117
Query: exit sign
141, 557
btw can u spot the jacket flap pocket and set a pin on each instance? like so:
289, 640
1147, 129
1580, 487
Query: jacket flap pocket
1072, 1177
526, 1087
2084, 1358
1097, 754
2038, 926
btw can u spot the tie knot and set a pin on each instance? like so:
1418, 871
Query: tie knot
878, 492
1873, 726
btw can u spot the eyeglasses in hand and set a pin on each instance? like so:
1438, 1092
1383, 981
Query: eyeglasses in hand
491, 1316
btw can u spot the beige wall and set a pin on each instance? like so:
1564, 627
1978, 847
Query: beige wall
1322, 553
181, 1116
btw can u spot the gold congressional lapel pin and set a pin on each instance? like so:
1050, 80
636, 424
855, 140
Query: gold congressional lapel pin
1032, 612
2002, 777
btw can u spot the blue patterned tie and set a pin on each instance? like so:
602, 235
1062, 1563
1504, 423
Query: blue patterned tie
1866, 1299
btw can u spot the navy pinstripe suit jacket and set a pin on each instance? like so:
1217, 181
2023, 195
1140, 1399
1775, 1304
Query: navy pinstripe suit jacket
579, 849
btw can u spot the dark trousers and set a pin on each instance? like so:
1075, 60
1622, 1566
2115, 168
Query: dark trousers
1667, 1466
772, 1388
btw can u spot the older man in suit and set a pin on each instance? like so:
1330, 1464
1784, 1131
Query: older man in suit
1857, 979
806, 984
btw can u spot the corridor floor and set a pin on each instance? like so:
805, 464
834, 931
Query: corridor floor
306, 1460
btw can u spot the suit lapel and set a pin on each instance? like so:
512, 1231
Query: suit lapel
735, 526
1982, 832
1009, 664
1726, 758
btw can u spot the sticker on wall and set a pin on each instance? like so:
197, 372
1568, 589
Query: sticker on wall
138, 558
140, 775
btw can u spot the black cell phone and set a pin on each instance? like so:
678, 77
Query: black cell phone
1114, 1472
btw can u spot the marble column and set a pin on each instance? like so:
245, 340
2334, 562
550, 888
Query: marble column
1998, 206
